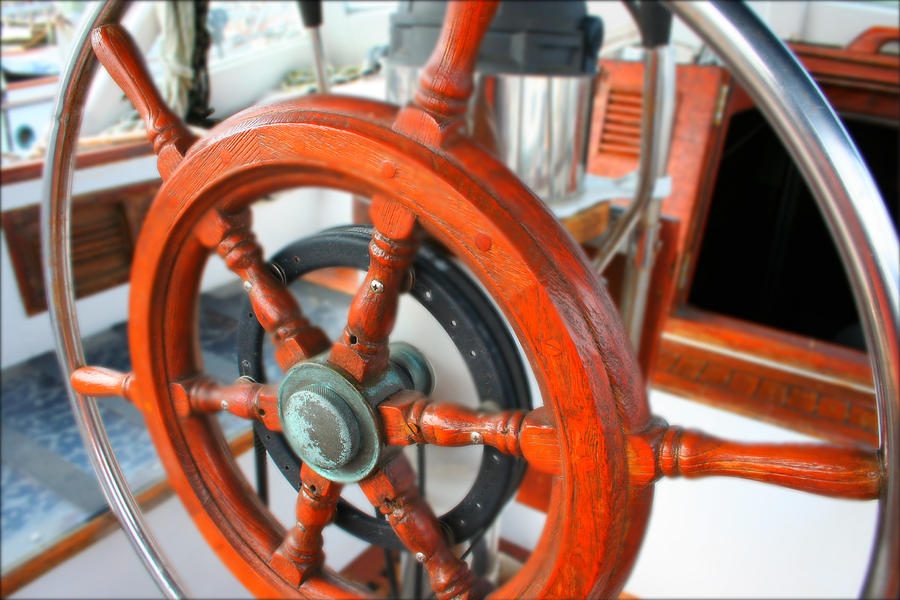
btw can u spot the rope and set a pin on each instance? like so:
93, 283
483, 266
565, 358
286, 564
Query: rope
198, 109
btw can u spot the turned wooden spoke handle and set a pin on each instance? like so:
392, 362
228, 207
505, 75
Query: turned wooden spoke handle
99, 381
446, 82
274, 305
814, 468
200, 394
362, 349
393, 491
118, 53
301, 553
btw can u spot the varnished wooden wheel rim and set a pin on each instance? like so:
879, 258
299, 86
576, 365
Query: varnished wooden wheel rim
472, 203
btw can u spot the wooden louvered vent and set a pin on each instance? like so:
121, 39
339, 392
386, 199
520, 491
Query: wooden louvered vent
615, 142
621, 126
104, 229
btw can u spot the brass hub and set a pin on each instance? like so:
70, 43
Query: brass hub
330, 422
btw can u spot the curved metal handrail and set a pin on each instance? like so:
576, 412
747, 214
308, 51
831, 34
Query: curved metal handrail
856, 215
56, 245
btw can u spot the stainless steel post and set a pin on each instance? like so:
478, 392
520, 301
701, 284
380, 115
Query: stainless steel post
656, 132
315, 37
311, 15
656, 138
56, 245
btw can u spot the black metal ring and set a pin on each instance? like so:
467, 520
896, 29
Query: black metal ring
479, 334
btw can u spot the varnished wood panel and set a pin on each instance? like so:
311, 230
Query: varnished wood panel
105, 226
857, 79
90, 157
809, 391
660, 292
822, 390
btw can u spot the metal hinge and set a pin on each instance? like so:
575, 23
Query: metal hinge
685, 266
720, 104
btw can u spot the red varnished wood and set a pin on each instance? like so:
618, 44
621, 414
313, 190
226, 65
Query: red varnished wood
813, 468
301, 552
393, 491
695, 135
440, 104
247, 400
277, 310
362, 350
872, 39
447, 79
465, 198
536, 489
663, 282
410, 418
99, 381
446, 83
120, 56
790, 380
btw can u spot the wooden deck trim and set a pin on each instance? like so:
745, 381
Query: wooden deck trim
797, 351
31, 169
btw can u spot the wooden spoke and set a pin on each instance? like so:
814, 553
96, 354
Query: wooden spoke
118, 53
409, 417
243, 399
191, 396
301, 554
100, 381
362, 350
393, 491
814, 468
447, 78
295, 338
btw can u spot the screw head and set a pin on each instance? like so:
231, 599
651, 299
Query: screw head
420, 556
248, 285
224, 404
388, 169
476, 438
377, 286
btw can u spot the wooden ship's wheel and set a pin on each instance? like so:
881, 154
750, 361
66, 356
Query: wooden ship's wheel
347, 406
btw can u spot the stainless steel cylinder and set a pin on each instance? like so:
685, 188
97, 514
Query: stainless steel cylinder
536, 124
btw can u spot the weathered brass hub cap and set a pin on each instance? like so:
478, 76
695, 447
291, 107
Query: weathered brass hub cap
330, 422
321, 427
